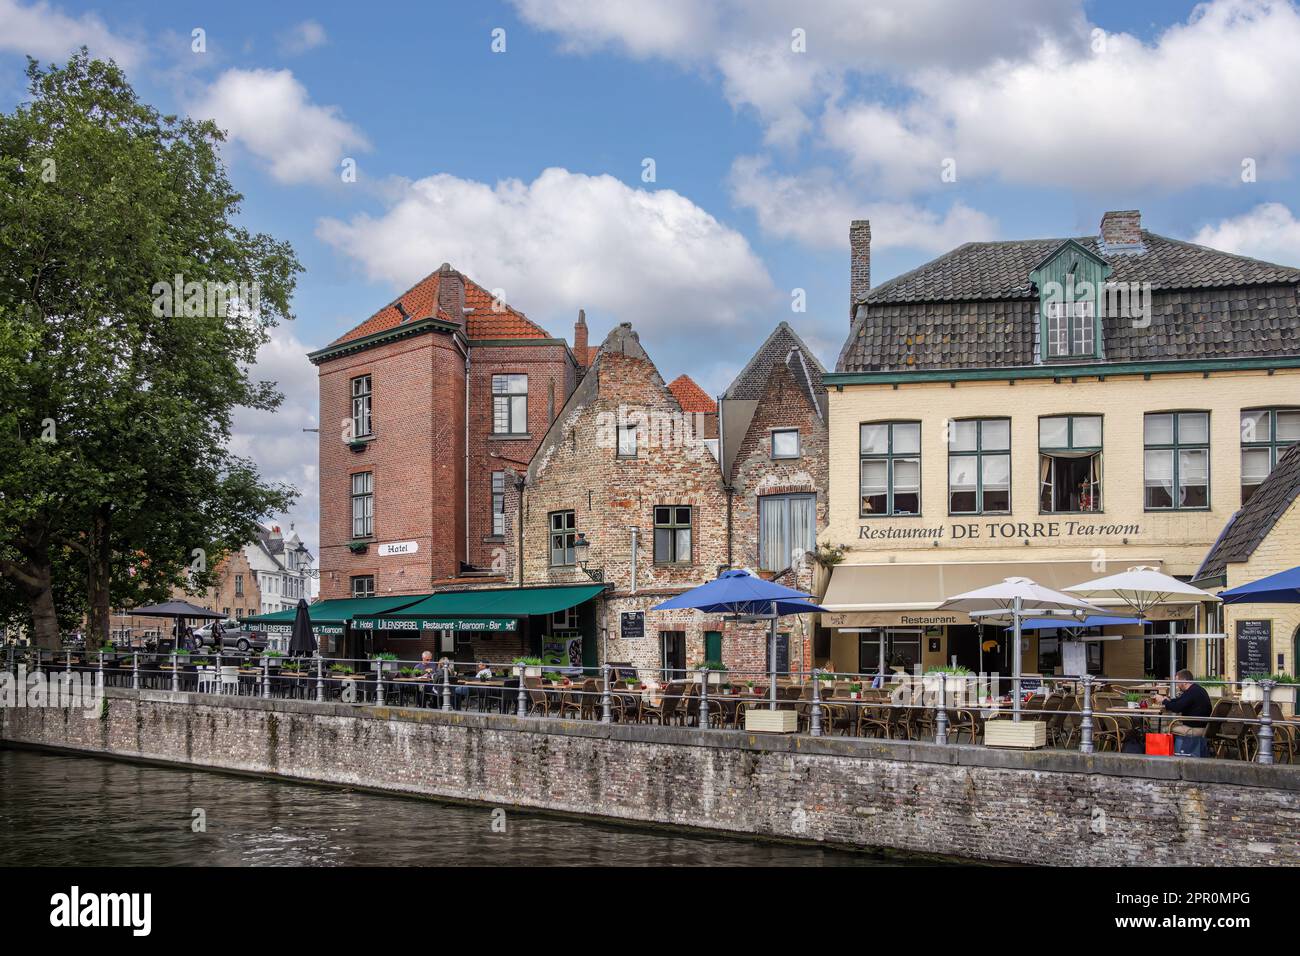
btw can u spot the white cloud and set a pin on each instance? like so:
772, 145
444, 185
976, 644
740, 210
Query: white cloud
276, 440
270, 114
815, 208
301, 37
46, 32
1270, 231
564, 241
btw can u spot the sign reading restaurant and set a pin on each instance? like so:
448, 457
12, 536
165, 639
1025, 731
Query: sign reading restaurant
479, 624
998, 530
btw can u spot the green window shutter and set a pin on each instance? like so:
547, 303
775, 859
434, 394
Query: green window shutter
713, 645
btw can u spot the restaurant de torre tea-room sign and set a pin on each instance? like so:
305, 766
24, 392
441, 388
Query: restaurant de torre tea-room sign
998, 531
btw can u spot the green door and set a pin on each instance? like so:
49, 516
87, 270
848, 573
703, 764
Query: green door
713, 646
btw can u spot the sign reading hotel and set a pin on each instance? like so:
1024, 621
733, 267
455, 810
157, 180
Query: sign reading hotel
998, 531
476, 624
397, 547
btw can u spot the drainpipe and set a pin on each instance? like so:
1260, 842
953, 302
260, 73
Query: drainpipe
520, 481
634, 531
467, 370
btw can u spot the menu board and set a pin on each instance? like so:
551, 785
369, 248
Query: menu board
632, 624
782, 652
1254, 648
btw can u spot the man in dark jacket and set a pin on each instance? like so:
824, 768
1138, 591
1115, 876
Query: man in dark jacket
1192, 701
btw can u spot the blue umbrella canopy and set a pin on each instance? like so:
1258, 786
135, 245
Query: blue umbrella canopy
1280, 588
744, 593
1057, 623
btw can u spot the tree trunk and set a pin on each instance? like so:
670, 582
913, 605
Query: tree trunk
99, 566
45, 619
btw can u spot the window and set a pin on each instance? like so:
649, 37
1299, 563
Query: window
566, 620
498, 503
509, 404
1069, 473
239, 612
563, 534
672, 534
226, 611
1071, 328
626, 441
785, 443
1177, 460
713, 646
239, 585
891, 468
979, 466
1266, 433
363, 504
787, 527
363, 586
361, 407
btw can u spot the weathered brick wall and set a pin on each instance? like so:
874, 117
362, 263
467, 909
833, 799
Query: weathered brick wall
1050, 808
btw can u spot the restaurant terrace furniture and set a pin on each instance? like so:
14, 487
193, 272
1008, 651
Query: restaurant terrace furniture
538, 700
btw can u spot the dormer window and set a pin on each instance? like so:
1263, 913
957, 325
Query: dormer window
1071, 282
1071, 328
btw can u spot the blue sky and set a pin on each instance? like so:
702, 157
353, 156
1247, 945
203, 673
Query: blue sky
525, 167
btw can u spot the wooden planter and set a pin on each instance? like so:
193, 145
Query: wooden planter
764, 721
1022, 735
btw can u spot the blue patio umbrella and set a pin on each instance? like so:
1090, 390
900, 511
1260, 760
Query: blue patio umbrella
1055, 623
745, 594
1280, 588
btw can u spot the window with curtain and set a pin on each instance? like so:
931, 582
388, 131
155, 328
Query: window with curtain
363, 586
672, 534
498, 503
890, 465
979, 466
363, 504
1266, 434
787, 526
1177, 460
361, 407
1069, 465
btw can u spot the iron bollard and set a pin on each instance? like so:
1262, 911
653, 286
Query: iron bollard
446, 688
68, 668
704, 698
320, 678
1266, 722
1085, 723
216, 670
941, 718
522, 708
266, 677
101, 665
606, 714
379, 683
135, 670
815, 717
176, 673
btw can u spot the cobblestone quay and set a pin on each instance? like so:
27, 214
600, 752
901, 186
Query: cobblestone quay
959, 801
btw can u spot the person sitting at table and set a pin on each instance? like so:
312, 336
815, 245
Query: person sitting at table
484, 672
425, 667
1192, 701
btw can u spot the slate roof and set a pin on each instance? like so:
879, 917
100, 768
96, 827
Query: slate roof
976, 308
1249, 526
779, 347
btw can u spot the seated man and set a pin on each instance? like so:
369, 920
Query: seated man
1192, 701
484, 672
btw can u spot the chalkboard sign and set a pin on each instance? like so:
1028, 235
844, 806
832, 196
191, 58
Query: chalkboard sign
782, 652
632, 624
1254, 648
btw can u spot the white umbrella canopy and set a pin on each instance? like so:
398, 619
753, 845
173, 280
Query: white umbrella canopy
1143, 588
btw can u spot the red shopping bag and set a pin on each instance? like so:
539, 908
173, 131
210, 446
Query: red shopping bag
1160, 745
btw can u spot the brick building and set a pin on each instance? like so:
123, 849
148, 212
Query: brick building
237, 594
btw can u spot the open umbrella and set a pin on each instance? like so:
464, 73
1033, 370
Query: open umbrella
744, 594
1016, 597
302, 642
1144, 588
178, 611
1280, 588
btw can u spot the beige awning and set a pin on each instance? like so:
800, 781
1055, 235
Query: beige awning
894, 595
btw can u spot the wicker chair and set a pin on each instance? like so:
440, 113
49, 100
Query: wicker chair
538, 700
666, 711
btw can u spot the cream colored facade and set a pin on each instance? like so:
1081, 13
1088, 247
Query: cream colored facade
1123, 533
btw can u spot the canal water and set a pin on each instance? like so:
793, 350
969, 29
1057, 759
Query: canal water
59, 810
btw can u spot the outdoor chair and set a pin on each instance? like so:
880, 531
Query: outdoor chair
666, 711
963, 722
538, 700
581, 701
1234, 731
1283, 734
207, 679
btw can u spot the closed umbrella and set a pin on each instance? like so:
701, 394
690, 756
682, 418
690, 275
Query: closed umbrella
1017, 598
745, 594
302, 642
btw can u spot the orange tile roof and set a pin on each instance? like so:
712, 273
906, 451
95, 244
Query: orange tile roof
421, 300
690, 396
586, 356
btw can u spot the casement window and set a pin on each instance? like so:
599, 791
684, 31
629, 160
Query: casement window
1069, 464
563, 534
673, 534
787, 527
363, 504
361, 407
1071, 328
1176, 447
626, 441
509, 404
498, 503
1266, 434
239, 585
890, 463
979, 466
566, 620
785, 443
363, 586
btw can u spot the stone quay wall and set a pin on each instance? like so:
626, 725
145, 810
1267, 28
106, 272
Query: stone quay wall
954, 801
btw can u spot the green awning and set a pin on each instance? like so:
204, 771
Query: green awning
328, 617
497, 604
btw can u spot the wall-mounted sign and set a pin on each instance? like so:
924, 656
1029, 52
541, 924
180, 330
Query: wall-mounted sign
984, 531
317, 629
397, 547
1254, 648
417, 624
632, 624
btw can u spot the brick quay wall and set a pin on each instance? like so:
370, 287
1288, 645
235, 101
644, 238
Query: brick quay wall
957, 801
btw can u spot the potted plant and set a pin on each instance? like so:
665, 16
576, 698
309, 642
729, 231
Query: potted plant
385, 661
341, 670
1133, 701
358, 546
954, 681
855, 691
528, 666
554, 677
715, 670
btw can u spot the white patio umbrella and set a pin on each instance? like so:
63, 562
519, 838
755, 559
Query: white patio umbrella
1141, 589
1017, 599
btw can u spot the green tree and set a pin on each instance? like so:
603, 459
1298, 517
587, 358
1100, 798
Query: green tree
117, 403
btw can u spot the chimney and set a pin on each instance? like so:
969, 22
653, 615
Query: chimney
580, 338
1121, 229
451, 293
859, 263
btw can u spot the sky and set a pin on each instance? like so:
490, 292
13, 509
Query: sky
692, 166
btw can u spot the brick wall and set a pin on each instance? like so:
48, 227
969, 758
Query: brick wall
1052, 808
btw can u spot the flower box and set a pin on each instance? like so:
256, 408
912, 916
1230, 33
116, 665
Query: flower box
1020, 735
764, 721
